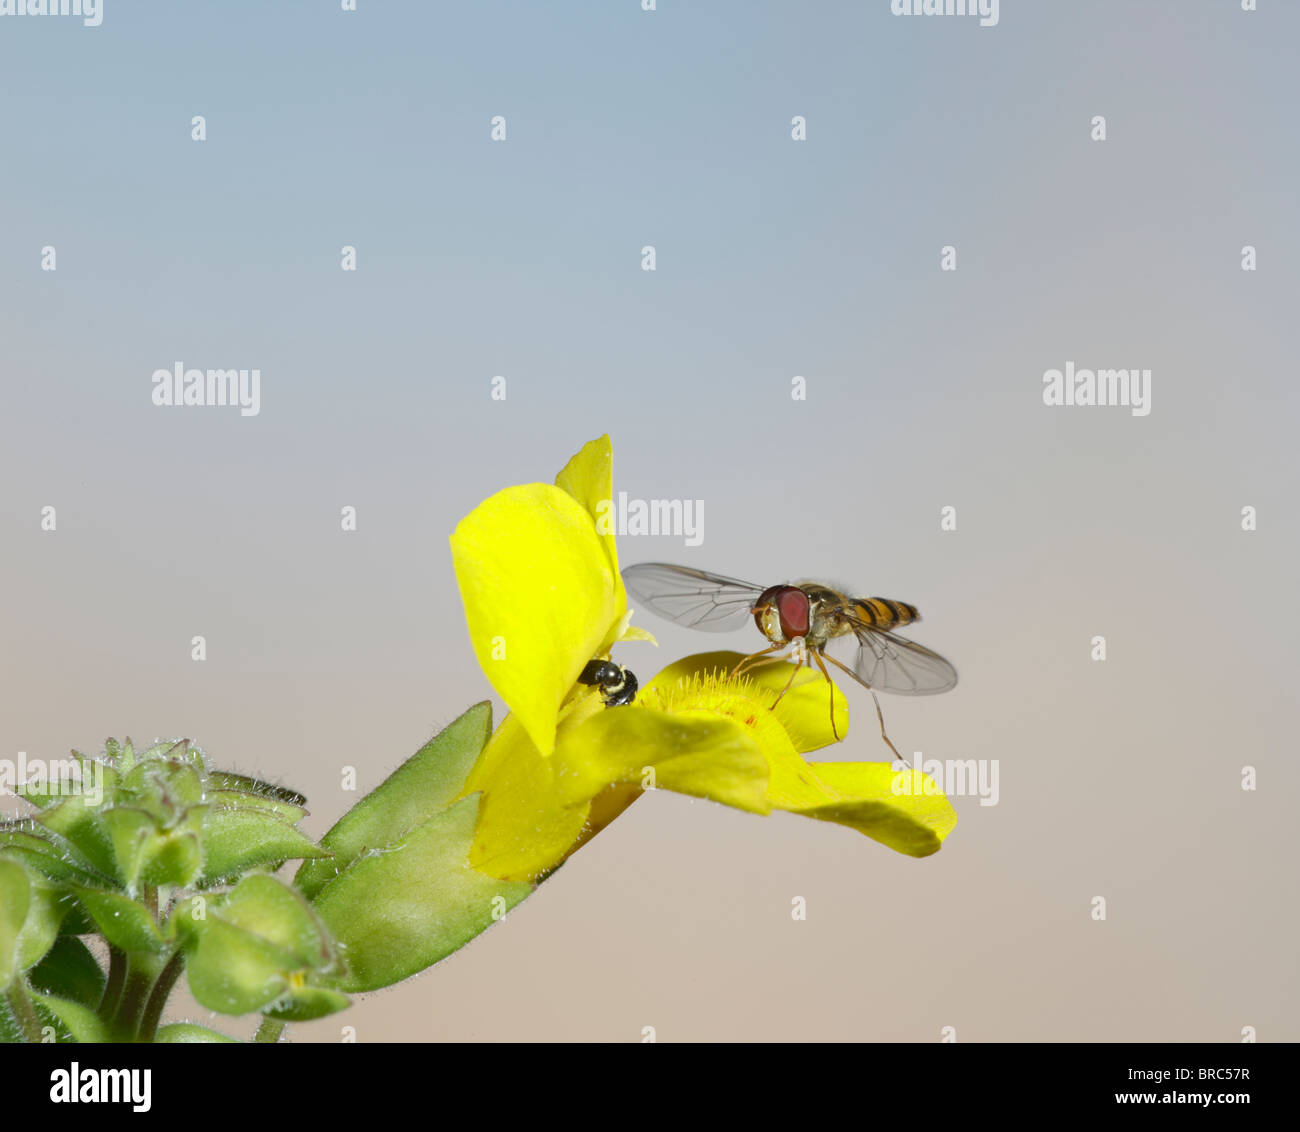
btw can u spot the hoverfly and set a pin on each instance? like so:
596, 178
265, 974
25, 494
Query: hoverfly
804, 617
617, 684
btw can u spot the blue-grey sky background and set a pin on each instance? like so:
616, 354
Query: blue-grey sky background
775, 258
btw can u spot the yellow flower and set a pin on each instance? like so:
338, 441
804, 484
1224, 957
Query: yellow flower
542, 597
541, 589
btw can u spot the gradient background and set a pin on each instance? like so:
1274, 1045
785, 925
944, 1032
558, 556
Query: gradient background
1118, 779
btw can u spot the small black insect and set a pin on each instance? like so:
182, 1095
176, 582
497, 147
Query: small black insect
617, 684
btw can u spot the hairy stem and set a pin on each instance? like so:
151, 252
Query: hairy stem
157, 1000
270, 1030
135, 994
113, 985
24, 1011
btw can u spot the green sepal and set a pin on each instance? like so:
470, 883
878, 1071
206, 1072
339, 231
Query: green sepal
235, 841
234, 972
308, 1003
422, 787
147, 855
123, 755
69, 970
254, 946
176, 751
124, 922
163, 787
131, 830
397, 912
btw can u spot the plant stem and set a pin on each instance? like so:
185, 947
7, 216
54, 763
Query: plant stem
162, 990
24, 1011
270, 1030
141, 972
113, 985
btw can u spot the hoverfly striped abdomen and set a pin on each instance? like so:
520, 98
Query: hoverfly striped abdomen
885, 613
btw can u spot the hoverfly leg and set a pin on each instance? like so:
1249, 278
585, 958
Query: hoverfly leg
879, 714
752, 658
794, 672
821, 664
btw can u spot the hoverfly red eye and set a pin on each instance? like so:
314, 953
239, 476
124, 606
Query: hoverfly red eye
792, 607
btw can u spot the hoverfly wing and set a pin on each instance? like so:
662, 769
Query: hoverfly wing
889, 663
694, 598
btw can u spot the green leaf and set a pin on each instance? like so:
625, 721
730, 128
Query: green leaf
250, 800
76, 922
229, 780
188, 1032
124, 922
31, 910
45, 912
397, 912
58, 780
49, 854
15, 899
235, 841
422, 787
69, 971
74, 1022
75, 820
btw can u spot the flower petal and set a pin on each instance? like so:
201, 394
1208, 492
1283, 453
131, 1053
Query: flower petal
804, 711
589, 478
636, 633
907, 812
693, 752
524, 827
903, 810
540, 598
